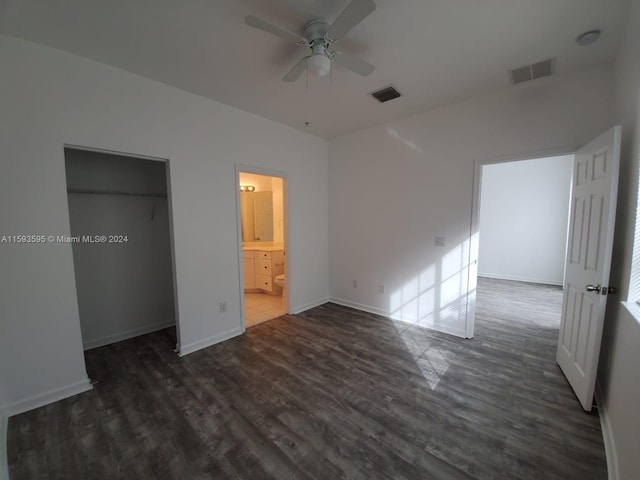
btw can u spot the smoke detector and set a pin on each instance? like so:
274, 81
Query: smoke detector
587, 38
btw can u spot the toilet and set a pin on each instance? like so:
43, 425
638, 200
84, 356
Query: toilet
280, 281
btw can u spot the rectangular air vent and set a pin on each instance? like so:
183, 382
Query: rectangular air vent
531, 72
385, 94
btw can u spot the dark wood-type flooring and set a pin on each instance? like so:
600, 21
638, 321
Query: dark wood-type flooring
331, 393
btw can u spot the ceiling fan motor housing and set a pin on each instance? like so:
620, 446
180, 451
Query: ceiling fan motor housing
315, 31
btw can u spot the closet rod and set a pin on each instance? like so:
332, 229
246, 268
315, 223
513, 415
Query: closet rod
112, 192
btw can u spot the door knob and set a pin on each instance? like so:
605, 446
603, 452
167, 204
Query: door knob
593, 288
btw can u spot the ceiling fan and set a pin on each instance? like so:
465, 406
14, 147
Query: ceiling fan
319, 36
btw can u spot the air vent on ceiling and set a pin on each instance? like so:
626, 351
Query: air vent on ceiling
531, 72
385, 94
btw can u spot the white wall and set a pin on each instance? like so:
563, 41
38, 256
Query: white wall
618, 378
523, 219
395, 187
49, 98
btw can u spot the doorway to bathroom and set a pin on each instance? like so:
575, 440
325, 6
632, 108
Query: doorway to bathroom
262, 232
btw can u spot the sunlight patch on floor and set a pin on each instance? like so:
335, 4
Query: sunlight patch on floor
433, 364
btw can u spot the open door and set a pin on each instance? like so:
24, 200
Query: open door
588, 261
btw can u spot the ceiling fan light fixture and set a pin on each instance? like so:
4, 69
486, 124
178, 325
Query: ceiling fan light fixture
319, 64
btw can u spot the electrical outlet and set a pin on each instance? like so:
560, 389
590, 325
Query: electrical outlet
355, 284
380, 288
223, 307
439, 241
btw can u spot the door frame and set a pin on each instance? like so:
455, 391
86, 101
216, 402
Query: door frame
239, 167
167, 167
474, 229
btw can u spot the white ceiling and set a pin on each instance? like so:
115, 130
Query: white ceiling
435, 52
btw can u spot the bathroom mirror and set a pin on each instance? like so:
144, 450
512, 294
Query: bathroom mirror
256, 213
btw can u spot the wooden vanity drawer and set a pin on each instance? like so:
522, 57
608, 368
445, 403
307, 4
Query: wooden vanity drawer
264, 255
264, 267
266, 283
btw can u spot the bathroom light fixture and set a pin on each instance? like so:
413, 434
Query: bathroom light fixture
587, 38
247, 188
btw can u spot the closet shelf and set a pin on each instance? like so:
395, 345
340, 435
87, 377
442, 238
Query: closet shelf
113, 192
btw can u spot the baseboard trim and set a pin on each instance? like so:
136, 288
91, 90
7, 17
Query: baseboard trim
209, 341
454, 332
126, 335
607, 436
47, 397
520, 279
4, 462
309, 306
360, 306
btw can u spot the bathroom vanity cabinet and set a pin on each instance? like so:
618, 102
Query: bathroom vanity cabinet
249, 269
268, 265
260, 269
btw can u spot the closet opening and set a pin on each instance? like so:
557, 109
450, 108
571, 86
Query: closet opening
122, 243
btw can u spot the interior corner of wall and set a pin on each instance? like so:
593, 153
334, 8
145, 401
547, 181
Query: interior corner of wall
4, 464
607, 434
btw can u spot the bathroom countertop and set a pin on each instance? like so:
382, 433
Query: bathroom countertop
262, 246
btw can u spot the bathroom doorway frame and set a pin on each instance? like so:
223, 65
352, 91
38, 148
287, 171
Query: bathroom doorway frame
285, 204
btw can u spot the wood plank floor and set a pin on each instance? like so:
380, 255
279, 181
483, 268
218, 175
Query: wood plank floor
331, 393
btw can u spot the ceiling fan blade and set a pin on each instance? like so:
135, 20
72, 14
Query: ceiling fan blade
355, 12
296, 71
268, 27
355, 64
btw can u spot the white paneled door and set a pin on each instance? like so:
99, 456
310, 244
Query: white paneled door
588, 262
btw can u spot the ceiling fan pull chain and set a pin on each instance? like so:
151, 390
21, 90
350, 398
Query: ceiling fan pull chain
331, 76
